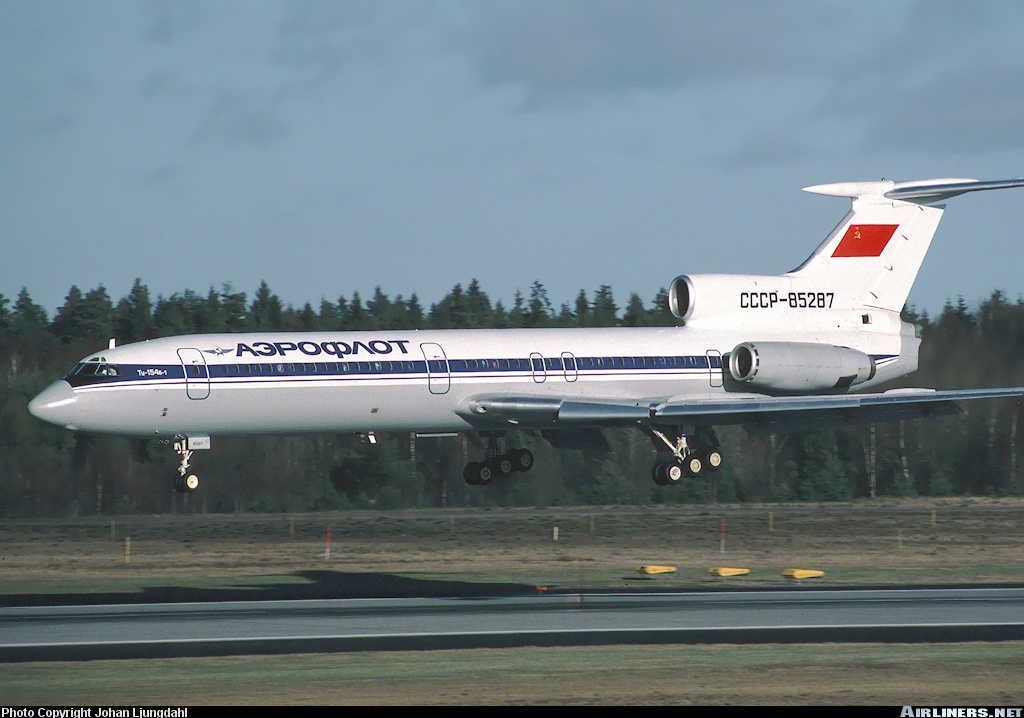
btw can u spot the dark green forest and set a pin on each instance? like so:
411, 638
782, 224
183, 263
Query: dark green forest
47, 471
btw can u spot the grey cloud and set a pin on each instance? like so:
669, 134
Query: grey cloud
317, 39
165, 21
163, 174
236, 117
54, 122
981, 110
595, 46
767, 148
942, 77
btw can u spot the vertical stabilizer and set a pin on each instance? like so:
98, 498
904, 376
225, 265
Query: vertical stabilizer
877, 250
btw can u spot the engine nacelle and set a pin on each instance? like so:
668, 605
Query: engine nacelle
680, 297
712, 296
799, 366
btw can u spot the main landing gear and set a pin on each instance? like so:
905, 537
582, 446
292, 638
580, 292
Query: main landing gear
498, 464
691, 455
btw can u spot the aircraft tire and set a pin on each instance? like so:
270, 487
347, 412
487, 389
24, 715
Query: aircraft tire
471, 473
502, 466
522, 460
186, 484
485, 474
694, 465
674, 473
658, 473
714, 460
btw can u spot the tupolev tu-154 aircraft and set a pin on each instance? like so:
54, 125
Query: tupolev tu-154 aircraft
786, 352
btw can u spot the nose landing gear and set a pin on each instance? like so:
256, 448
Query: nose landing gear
185, 482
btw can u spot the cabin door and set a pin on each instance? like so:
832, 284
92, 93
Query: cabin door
438, 375
197, 374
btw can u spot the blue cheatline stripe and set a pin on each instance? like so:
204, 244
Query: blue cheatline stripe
478, 368
588, 366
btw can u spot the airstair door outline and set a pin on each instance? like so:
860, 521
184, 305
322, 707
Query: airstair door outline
569, 366
540, 374
716, 369
197, 375
439, 378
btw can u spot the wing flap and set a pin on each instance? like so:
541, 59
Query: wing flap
769, 415
545, 411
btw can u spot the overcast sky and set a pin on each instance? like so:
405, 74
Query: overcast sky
332, 147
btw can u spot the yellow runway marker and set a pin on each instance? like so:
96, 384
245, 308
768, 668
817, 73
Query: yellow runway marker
802, 573
721, 571
656, 569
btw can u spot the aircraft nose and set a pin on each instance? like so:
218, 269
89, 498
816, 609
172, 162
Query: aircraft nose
56, 404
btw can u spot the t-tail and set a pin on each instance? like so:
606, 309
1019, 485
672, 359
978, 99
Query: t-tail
877, 250
868, 262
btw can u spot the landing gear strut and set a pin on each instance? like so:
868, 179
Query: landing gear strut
497, 464
694, 452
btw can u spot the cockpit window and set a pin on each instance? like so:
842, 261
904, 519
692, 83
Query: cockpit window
74, 370
94, 369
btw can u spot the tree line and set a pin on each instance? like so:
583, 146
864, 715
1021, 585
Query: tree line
47, 471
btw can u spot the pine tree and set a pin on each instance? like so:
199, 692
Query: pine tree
133, 318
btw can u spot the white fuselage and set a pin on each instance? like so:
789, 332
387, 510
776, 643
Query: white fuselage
234, 384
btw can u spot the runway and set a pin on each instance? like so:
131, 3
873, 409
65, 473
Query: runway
68, 633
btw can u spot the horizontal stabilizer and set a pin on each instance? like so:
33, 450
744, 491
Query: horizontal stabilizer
917, 191
926, 193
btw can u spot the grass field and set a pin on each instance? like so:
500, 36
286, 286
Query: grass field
431, 553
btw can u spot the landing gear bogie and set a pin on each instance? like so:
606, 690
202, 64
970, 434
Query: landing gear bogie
695, 452
498, 464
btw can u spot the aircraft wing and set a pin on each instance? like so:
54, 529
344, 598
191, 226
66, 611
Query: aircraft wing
758, 414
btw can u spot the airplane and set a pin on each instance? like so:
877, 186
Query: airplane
771, 353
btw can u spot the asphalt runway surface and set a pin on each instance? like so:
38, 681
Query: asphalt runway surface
89, 632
